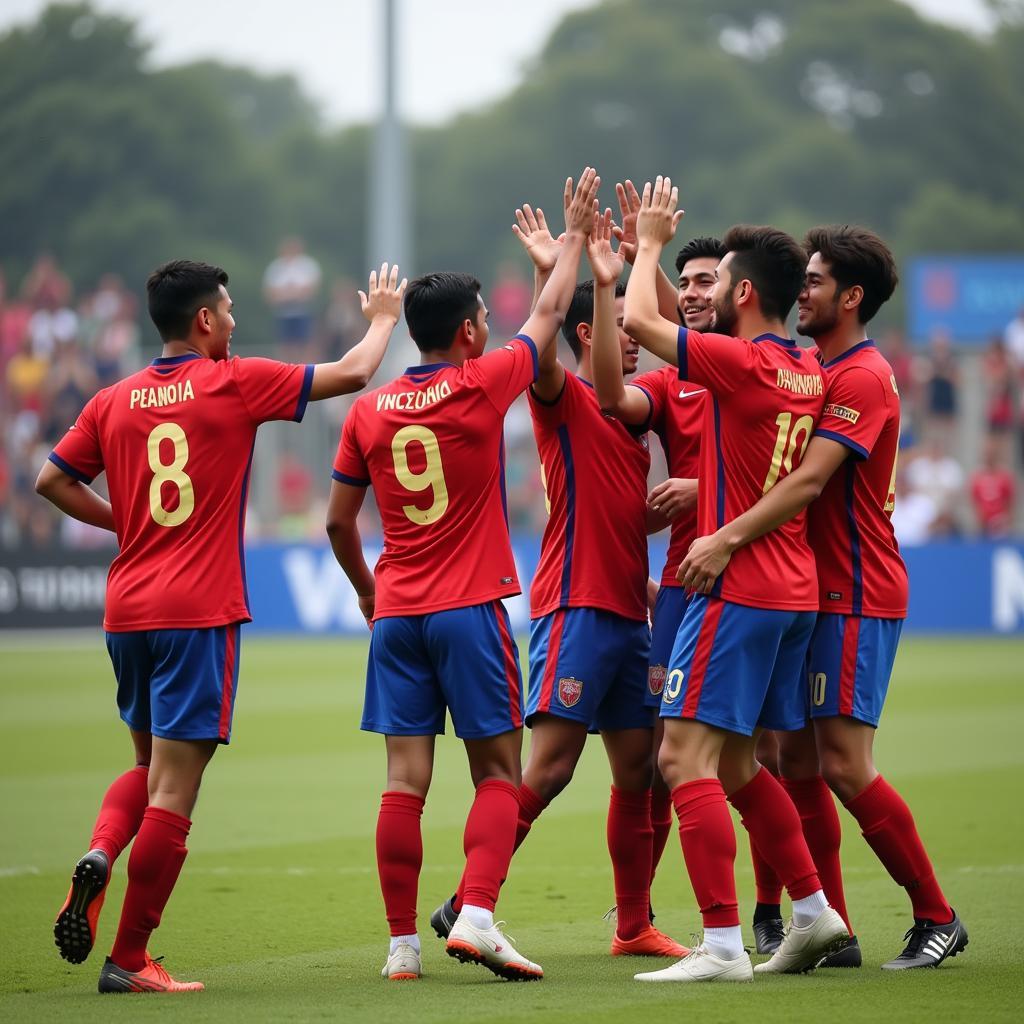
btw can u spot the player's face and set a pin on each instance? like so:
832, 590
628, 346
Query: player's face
222, 324
630, 349
480, 330
719, 298
818, 303
695, 281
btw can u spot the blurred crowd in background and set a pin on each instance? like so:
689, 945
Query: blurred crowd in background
960, 470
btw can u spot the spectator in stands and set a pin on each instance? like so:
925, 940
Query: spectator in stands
941, 382
893, 345
111, 329
290, 286
934, 473
1014, 338
993, 491
343, 319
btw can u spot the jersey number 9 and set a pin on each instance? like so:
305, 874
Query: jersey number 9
431, 477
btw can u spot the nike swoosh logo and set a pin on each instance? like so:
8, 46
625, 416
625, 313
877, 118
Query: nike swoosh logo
689, 394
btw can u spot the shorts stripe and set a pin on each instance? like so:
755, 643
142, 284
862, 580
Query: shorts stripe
848, 665
511, 668
547, 685
701, 657
227, 684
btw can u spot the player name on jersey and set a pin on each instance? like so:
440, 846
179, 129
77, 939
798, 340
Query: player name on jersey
800, 383
163, 394
410, 401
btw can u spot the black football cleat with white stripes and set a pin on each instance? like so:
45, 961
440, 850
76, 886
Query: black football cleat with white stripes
929, 944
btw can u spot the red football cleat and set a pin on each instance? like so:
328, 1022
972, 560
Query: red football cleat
152, 978
75, 928
650, 942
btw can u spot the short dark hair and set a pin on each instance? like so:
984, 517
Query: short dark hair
581, 311
772, 261
435, 306
856, 255
705, 247
177, 290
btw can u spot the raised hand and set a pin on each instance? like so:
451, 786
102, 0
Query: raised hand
532, 230
658, 217
629, 207
606, 264
581, 205
383, 296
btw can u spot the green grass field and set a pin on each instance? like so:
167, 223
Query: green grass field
278, 909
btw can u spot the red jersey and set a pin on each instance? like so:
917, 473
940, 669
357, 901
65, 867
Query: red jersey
764, 399
860, 571
431, 445
992, 491
677, 416
176, 441
594, 550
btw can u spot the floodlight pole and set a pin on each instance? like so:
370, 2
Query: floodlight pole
390, 208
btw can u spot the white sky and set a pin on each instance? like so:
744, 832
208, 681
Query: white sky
457, 54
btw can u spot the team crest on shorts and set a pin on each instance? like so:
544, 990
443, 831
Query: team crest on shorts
656, 679
570, 689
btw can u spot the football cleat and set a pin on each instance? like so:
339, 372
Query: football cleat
488, 947
152, 978
803, 948
403, 965
703, 965
75, 929
443, 919
768, 934
929, 944
847, 955
650, 942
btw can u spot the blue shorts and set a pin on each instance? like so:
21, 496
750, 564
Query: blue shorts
462, 660
178, 684
589, 666
738, 668
668, 616
849, 663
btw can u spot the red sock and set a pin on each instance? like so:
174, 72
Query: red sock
121, 812
530, 806
820, 820
661, 822
399, 858
153, 868
709, 849
488, 841
888, 826
771, 819
766, 882
629, 843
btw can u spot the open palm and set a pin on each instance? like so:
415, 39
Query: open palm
607, 264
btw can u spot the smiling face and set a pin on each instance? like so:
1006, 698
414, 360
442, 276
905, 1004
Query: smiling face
695, 281
818, 302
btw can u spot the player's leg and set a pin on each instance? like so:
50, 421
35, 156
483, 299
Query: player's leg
858, 654
661, 802
477, 663
404, 702
768, 926
123, 805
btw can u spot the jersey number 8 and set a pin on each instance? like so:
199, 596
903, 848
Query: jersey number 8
432, 475
169, 473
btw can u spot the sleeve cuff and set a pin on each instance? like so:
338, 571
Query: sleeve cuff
642, 428
531, 344
66, 467
681, 357
860, 451
307, 386
353, 481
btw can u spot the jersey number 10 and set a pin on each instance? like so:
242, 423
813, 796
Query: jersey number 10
786, 442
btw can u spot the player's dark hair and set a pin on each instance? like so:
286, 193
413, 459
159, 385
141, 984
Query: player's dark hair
435, 306
706, 247
773, 262
581, 311
856, 255
177, 290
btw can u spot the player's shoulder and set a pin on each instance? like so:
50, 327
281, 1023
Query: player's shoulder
860, 365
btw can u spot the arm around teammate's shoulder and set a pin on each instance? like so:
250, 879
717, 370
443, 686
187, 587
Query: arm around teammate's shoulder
382, 306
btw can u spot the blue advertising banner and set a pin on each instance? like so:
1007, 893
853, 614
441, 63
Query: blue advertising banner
970, 297
954, 588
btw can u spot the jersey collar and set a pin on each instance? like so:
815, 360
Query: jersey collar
426, 369
175, 360
867, 343
788, 342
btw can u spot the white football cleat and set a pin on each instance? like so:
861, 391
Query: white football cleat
491, 949
703, 965
403, 965
802, 948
